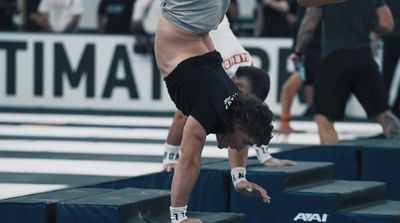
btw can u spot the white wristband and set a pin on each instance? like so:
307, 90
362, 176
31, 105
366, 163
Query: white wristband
177, 214
238, 174
171, 154
262, 153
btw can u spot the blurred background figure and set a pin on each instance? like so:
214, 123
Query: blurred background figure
306, 67
272, 18
347, 65
144, 23
114, 16
60, 15
233, 12
30, 16
391, 55
8, 8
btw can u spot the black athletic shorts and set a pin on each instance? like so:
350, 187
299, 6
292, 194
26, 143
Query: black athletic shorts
345, 72
200, 87
311, 65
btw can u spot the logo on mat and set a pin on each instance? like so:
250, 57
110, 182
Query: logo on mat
229, 100
311, 217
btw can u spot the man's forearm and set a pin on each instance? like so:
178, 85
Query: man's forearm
303, 40
189, 164
185, 177
307, 28
238, 158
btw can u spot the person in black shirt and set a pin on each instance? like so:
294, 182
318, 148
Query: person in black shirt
31, 16
7, 10
347, 64
114, 16
271, 18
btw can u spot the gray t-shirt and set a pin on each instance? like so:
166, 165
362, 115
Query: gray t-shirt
197, 16
348, 25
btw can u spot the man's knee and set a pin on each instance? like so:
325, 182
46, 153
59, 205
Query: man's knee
180, 117
322, 120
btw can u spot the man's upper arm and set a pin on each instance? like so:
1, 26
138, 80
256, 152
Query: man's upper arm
385, 20
312, 18
194, 137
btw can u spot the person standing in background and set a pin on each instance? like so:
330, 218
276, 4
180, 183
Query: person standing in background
347, 65
271, 18
60, 15
30, 17
7, 10
306, 68
114, 16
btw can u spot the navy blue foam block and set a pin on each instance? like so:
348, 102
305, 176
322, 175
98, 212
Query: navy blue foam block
381, 162
275, 180
345, 157
219, 217
385, 212
160, 181
119, 206
280, 210
40, 208
210, 194
320, 201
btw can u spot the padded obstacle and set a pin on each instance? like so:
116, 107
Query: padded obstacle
345, 157
385, 212
219, 217
130, 205
125, 205
301, 193
40, 208
309, 192
380, 161
210, 194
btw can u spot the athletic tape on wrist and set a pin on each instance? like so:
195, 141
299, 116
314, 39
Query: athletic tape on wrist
171, 154
238, 174
262, 153
177, 214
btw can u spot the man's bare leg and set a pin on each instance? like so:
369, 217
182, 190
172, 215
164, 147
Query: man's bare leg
289, 90
390, 124
327, 132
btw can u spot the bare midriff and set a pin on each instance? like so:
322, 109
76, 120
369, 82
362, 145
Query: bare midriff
174, 45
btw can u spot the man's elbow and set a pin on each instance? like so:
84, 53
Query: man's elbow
384, 28
388, 27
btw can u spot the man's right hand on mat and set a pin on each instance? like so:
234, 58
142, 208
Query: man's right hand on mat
251, 189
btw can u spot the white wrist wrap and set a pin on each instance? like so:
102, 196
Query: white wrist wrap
171, 154
177, 214
262, 153
238, 174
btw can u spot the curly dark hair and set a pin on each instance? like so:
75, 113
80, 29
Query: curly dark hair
252, 116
